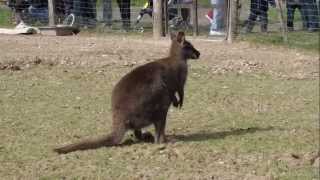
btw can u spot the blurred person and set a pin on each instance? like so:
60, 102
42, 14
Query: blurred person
68, 7
292, 5
312, 14
85, 12
217, 23
259, 8
125, 12
18, 7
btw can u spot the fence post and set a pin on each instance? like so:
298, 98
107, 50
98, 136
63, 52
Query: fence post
51, 12
233, 19
165, 17
282, 21
157, 19
195, 18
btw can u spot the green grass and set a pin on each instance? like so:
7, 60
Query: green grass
5, 16
298, 39
230, 126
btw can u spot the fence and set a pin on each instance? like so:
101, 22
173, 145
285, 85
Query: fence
115, 15
245, 18
292, 20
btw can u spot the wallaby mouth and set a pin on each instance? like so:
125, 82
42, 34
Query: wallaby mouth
196, 55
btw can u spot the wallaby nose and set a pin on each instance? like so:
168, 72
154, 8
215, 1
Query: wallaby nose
197, 54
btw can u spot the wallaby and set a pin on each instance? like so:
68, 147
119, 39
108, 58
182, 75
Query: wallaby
143, 97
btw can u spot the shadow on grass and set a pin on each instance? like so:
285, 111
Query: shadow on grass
203, 136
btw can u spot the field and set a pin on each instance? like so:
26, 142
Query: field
250, 112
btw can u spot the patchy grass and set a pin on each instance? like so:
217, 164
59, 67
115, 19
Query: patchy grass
232, 126
298, 39
5, 17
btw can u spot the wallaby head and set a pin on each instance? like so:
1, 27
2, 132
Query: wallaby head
183, 48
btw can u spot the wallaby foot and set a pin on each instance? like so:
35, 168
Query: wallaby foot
160, 132
145, 137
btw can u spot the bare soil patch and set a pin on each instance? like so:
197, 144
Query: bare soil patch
21, 52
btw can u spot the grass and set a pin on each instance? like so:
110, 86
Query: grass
298, 39
5, 16
231, 126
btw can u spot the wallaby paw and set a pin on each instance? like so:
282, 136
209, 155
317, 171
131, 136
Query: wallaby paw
147, 137
175, 103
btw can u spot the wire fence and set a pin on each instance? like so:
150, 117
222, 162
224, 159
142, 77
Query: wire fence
298, 15
291, 22
255, 16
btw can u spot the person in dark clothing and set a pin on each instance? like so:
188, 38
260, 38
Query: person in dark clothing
124, 6
312, 14
68, 7
18, 7
259, 8
147, 9
292, 5
85, 12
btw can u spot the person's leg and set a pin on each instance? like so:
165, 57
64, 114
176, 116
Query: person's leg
303, 16
93, 9
252, 16
124, 6
314, 16
127, 14
264, 20
290, 16
217, 23
251, 20
309, 6
107, 12
68, 6
220, 15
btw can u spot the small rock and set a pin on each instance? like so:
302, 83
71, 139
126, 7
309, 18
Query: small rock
37, 60
161, 147
15, 68
296, 156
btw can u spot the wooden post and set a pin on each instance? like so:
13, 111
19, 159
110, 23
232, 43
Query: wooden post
282, 21
51, 12
233, 7
166, 17
230, 21
157, 19
195, 17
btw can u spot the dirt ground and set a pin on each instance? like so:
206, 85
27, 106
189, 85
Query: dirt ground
102, 51
251, 111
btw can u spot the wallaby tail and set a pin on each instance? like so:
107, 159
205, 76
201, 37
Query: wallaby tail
108, 140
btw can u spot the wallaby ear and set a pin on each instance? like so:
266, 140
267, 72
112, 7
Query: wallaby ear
173, 36
180, 37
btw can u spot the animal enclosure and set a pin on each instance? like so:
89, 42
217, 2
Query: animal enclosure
250, 110
289, 24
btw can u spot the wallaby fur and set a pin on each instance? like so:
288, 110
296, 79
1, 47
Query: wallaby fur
143, 96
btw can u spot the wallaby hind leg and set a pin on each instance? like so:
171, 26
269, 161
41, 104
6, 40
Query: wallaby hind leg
160, 131
117, 137
146, 136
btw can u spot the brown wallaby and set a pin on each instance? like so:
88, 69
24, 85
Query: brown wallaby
143, 97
